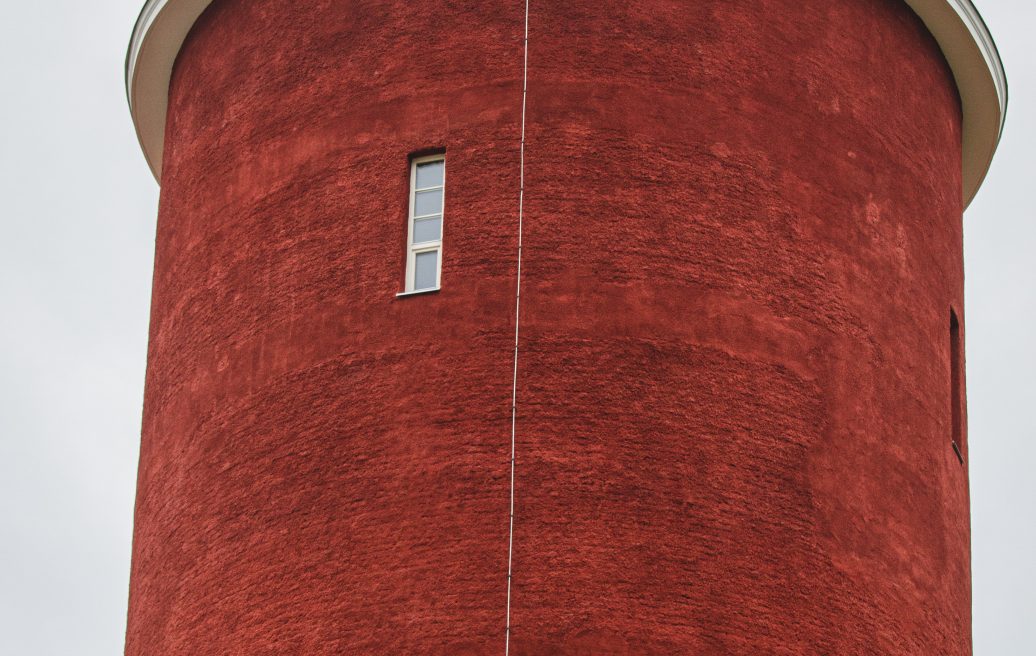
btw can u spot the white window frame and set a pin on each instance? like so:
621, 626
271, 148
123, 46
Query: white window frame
412, 249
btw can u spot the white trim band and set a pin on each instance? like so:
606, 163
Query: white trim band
981, 81
956, 25
159, 34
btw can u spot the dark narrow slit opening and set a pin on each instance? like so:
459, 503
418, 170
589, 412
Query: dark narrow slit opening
956, 397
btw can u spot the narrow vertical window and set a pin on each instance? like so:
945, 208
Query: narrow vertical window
956, 393
424, 227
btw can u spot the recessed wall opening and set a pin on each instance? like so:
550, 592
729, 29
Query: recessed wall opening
425, 224
956, 393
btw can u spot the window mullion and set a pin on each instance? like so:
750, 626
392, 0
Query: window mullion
424, 258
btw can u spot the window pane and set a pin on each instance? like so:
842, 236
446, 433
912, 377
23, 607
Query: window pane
428, 202
427, 230
430, 174
426, 267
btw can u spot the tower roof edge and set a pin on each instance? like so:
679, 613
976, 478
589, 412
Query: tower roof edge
957, 26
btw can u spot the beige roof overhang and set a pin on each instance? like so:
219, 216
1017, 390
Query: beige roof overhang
956, 25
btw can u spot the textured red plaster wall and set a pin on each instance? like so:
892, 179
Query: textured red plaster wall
743, 241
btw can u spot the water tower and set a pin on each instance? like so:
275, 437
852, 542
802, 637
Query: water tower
570, 327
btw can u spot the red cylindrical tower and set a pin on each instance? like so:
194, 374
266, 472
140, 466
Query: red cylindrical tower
739, 415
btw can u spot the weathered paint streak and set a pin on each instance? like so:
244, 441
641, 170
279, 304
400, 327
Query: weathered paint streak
743, 239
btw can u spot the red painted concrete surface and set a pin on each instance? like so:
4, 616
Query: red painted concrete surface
742, 246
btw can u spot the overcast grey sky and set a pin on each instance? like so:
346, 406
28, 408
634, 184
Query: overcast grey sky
77, 220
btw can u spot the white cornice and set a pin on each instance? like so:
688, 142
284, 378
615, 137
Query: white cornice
969, 15
157, 38
981, 81
956, 25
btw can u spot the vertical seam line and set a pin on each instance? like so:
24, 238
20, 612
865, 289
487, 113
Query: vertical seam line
517, 315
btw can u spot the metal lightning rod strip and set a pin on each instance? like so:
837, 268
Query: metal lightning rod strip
517, 315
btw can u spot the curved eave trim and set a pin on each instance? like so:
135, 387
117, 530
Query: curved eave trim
981, 81
159, 34
956, 25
